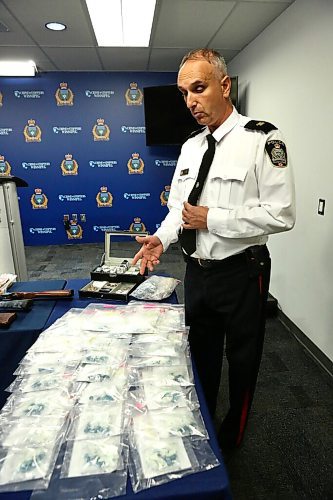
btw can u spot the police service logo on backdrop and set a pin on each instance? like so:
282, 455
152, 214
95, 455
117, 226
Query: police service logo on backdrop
137, 226
64, 96
135, 164
164, 196
5, 168
69, 166
133, 95
32, 132
28, 94
74, 231
104, 198
101, 131
1, 98
38, 199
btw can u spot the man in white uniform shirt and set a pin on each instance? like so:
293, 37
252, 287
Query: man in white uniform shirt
247, 194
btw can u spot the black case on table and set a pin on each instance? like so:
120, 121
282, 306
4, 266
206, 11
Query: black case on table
115, 280
110, 291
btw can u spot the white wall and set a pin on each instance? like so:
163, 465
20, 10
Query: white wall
286, 76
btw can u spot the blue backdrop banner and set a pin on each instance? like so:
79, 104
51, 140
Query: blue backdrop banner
78, 139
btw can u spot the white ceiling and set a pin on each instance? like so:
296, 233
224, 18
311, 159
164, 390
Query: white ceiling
179, 26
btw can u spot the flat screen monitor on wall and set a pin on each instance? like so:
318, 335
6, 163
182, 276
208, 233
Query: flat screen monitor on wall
167, 119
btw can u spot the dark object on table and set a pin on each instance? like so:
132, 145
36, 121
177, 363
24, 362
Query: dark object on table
46, 294
108, 290
15, 305
118, 270
6, 319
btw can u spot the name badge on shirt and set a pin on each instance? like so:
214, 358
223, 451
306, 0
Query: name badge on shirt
184, 172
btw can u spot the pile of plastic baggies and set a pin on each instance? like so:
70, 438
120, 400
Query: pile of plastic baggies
105, 391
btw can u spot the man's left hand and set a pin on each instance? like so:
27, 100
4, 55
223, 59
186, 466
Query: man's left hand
194, 217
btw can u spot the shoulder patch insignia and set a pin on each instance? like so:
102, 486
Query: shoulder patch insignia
277, 153
265, 127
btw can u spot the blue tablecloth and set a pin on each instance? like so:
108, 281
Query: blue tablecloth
24, 331
210, 485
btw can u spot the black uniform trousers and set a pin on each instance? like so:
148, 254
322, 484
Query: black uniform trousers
225, 301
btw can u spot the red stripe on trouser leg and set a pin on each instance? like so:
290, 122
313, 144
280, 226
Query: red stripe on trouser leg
246, 402
243, 418
260, 284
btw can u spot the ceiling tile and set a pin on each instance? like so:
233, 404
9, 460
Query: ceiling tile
179, 25
74, 59
16, 35
247, 21
189, 23
169, 59
34, 53
124, 58
35, 13
166, 59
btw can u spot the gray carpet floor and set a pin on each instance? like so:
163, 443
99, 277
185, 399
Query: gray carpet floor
287, 452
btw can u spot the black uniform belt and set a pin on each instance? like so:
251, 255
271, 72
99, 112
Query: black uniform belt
257, 251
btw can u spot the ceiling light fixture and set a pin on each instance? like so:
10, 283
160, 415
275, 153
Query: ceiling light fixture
122, 23
17, 68
55, 26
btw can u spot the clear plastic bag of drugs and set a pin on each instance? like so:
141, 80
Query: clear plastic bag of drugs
152, 397
177, 375
134, 361
87, 423
61, 343
155, 460
37, 382
27, 468
37, 404
16, 432
153, 349
178, 339
105, 393
174, 422
50, 358
92, 457
70, 322
59, 369
107, 318
88, 469
155, 288
170, 317
94, 373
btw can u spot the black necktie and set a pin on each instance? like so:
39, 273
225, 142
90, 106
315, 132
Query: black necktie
187, 237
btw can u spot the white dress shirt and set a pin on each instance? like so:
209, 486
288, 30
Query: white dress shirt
247, 195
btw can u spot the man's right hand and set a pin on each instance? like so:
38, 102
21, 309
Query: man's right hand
149, 253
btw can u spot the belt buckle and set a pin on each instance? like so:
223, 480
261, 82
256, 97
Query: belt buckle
200, 263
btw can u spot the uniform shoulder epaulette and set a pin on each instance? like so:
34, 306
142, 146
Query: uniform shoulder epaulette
265, 127
194, 133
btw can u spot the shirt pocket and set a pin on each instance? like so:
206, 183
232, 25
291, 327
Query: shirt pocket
226, 190
185, 184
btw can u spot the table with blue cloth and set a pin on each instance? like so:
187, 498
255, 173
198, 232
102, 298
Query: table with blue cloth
23, 332
211, 484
